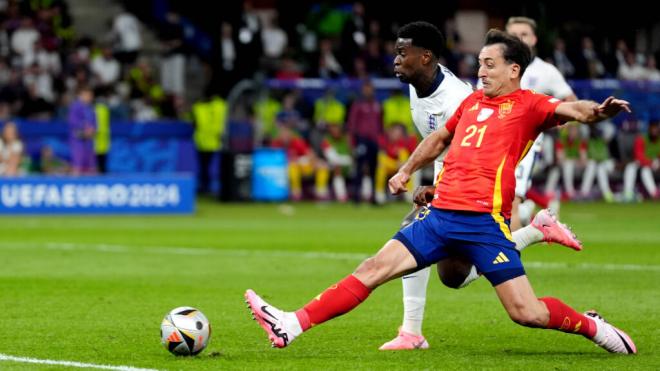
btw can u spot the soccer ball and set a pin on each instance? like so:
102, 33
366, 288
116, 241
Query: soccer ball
185, 331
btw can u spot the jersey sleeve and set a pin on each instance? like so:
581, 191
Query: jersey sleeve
543, 108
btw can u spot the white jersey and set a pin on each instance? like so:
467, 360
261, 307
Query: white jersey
543, 77
432, 112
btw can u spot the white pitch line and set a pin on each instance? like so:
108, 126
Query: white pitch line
196, 251
6, 357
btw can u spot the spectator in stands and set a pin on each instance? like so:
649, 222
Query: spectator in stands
34, 107
82, 129
106, 68
290, 115
561, 60
394, 149
41, 80
250, 48
646, 159
48, 60
599, 165
337, 151
24, 39
365, 126
571, 152
651, 72
630, 69
173, 64
51, 164
223, 63
589, 64
327, 64
288, 69
11, 151
302, 162
127, 35
353, 36
273, 38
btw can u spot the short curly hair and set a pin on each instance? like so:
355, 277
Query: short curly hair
424, 35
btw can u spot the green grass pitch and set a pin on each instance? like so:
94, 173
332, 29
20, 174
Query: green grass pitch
94, 289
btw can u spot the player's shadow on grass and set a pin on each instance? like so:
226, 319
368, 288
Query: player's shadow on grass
552, 352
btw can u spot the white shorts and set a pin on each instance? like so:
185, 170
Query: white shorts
525, 167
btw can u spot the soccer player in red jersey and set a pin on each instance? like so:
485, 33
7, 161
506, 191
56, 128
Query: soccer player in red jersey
489, 133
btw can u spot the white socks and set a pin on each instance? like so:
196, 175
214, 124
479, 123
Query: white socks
414, 300
526, 236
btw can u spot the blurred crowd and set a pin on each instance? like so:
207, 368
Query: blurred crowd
345, 143
347, 147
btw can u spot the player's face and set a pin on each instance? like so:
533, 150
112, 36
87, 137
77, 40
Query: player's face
407, 62
495, 73
524, 32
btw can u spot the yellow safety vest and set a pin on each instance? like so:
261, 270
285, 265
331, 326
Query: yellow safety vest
102, 138
209, 124
396, 110
329, 111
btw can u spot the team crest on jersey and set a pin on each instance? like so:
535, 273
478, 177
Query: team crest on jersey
484, 114
504, 109
474, 108
433, 122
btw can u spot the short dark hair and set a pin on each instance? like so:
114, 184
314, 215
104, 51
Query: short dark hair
423, 35
514, 49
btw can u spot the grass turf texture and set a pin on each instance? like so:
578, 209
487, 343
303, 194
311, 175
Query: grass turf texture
94, 289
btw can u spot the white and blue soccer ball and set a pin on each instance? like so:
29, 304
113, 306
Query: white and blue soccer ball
185, 331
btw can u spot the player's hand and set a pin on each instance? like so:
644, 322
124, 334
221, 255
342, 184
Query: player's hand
397, 183
612, 106
423, 195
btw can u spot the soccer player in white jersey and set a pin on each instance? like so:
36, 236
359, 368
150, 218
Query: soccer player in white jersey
435, 93
541, 77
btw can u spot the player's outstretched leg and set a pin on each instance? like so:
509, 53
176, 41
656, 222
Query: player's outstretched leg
392, 261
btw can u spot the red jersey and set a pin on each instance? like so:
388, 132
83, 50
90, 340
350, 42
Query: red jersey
295, 148
491, 135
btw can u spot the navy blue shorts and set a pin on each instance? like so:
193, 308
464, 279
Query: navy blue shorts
484, 238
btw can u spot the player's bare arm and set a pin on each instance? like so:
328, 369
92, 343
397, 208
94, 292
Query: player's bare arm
590, 112
427, 151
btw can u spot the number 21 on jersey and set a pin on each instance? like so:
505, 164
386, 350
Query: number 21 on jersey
470, 132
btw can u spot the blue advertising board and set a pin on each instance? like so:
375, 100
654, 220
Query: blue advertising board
130, 194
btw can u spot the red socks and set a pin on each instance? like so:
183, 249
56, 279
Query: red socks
566, 319
540, 199
336, 300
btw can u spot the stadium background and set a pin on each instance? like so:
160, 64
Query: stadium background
93, 288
